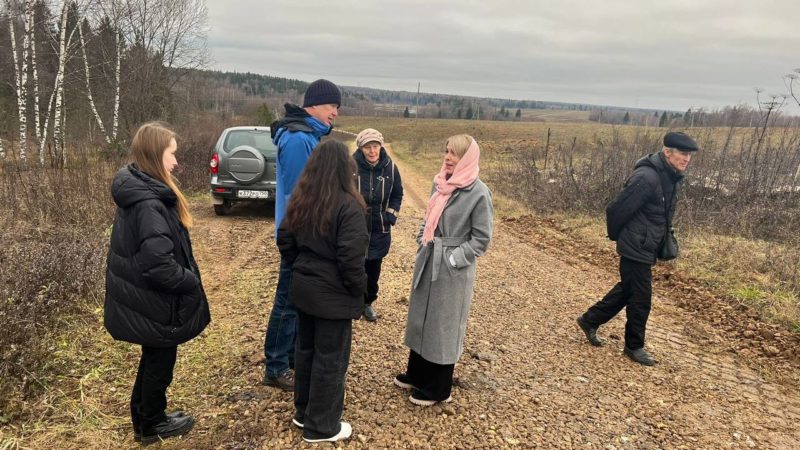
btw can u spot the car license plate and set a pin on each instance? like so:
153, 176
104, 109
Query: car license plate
252, 194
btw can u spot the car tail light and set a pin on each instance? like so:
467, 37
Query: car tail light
213, 165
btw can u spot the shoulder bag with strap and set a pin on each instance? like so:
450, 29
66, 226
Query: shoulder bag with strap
669, 246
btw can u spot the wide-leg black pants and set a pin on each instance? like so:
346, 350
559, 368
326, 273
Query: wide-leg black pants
322, 354
435, 381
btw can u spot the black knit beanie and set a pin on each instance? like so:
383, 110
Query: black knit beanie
322, 92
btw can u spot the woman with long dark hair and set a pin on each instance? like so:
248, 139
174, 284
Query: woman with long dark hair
324, 238
154, 294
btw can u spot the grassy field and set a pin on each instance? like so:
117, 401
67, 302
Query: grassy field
759, 273
555, 115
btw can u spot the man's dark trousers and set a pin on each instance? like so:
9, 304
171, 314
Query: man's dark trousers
281, 327
322, 355
634, 293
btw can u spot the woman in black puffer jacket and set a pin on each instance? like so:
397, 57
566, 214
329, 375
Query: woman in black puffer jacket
154, 295
380, 185
324, 238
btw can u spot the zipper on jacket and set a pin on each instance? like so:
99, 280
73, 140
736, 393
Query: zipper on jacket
391, 188
372, 196
380, 204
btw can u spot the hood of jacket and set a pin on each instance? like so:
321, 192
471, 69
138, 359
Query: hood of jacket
131, 186
297, 119
361, 160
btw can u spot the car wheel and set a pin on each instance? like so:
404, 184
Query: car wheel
223, 209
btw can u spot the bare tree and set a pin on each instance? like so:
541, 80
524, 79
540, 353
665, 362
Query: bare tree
113, 10
792, 82
58, 124
175, 30
89, 86
35, 71
21, 73
154, 43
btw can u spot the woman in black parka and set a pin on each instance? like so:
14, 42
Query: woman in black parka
324, 238
380, 185
154, 295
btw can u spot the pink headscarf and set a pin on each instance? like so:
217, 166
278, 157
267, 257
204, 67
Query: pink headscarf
464, 174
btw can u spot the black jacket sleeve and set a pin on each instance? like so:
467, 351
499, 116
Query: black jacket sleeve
352, 240
155, 256
637, 190
287, 244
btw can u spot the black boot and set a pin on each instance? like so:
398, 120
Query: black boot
137, 431
640, 355
369, 313
171, 427
591, 333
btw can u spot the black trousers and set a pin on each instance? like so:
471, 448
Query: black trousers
149, 396
435, 381
373, 269
322, 354
634, 293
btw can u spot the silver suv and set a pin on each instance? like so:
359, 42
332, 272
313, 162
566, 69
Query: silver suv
242, 167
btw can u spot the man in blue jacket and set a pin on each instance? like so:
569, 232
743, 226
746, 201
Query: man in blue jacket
296, 136
639, 220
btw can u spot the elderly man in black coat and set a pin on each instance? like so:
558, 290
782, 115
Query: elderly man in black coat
639, 219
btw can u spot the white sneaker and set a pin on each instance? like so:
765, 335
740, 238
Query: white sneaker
297, 423
421, 402
344, 433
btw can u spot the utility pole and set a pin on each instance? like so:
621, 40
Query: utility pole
416, 108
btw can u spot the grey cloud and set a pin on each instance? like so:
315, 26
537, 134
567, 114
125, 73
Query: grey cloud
672, 54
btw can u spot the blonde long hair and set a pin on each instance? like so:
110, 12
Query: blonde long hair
147, 148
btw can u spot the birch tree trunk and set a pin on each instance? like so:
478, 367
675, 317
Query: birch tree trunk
45, 126
89, 86
115, 125
36, 110
58, 130
21, 91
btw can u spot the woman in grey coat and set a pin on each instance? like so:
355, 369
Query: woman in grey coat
457, 229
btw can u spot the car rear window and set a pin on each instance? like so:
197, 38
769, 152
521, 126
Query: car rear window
260, 140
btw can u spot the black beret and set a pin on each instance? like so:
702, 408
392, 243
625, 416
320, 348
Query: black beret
680, 141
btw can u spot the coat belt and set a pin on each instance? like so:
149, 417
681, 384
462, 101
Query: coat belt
437, 244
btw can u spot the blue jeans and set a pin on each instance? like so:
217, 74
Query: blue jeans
281, 328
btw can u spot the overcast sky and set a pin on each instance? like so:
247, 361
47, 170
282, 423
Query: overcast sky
667, 54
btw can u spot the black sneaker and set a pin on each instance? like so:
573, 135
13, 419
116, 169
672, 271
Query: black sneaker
283, 381
403, 381
369, 313
640, 355
591, 333
171, 427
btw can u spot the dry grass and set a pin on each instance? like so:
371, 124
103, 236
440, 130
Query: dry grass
759, 273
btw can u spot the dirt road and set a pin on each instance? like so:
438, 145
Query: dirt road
527, 378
